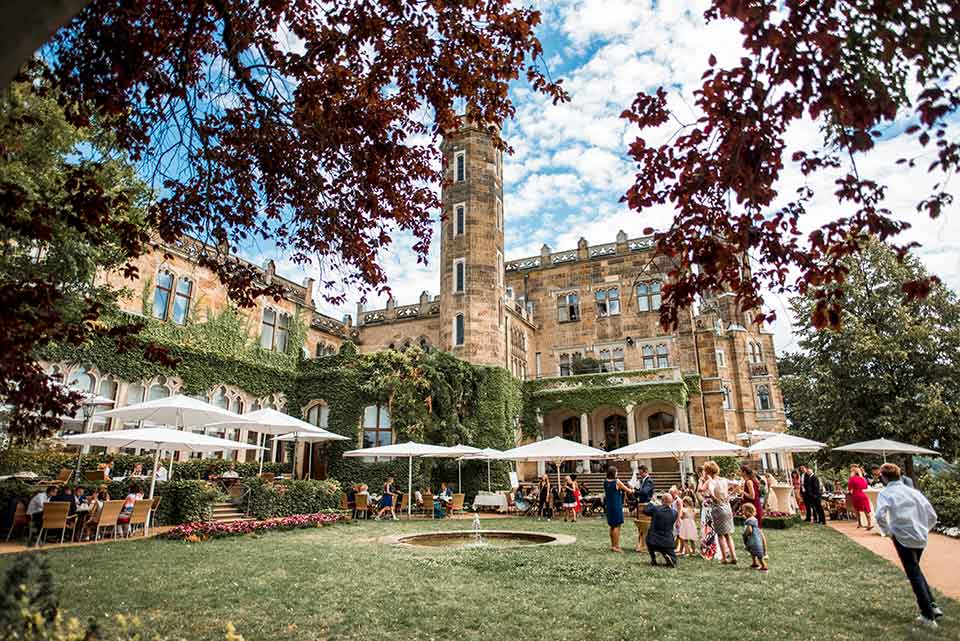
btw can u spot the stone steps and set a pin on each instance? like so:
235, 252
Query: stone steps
226, 513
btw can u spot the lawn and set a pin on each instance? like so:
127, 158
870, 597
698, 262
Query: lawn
340, 583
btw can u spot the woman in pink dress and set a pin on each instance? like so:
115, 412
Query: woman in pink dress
856, 486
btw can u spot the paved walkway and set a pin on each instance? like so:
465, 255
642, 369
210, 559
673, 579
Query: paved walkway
14, 547
939, 561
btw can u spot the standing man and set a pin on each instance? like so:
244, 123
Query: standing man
878, 480
813, 497
906, 516
643, 494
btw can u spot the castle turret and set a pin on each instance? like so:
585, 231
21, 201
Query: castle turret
471, 247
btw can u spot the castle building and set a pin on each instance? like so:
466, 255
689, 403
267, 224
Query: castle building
579, 325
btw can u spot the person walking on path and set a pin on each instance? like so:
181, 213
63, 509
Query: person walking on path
860, 503
613, 489
906, 516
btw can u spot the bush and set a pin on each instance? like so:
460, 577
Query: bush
943, 491
774, 521
202, 531
287, 498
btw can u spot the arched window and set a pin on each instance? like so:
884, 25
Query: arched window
660, 423
83, 380
568, 308
219, 398
236, 405
458, 330
662, 356
763, 397
319, 415
648, 360
181, 301
608, 302
162, 294
158, 390
376, 426
570, 429
273, 330
727, 400
614, 432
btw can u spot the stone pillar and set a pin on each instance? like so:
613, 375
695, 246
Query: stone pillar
680, 416
541, 465
585, 438
631, 431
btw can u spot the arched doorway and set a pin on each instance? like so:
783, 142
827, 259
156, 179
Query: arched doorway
614, 432
570, 430
658, 424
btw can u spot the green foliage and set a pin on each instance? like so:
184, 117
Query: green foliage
729, 466
892, 370
588, 365
186, 501
286, 498
774, 522
943, 491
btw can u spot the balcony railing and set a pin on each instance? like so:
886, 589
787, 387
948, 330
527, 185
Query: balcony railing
759, 369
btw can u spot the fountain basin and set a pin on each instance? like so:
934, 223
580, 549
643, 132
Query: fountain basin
465, 539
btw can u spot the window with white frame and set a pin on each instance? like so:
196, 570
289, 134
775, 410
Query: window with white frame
648, 297
567, 361
536, 364
611, 359
663, 359
460, 219
608, 302
568, 308
377, 431
181, 300
162, 294
459, 275
460, 166
721, 358
756, 353
763, 398
318, 414
499, 214
458, 330
727, 398
649, 361
274, 330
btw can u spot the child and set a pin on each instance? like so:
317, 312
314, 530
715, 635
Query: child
753, 539
688, 529
569, 500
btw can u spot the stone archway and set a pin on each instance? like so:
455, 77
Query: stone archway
654, 419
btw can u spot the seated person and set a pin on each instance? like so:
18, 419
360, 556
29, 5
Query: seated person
446, 494
127, 510
66, 496
208, 473
520, 500
79, 497
137, 470
96, 502
352, 494
418, 498
161, 472
660, 536
231, 472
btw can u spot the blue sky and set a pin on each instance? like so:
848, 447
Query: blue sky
570, 167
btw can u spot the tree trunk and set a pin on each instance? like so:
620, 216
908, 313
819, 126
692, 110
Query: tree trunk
26, 26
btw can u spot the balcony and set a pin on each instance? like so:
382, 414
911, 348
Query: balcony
759, 369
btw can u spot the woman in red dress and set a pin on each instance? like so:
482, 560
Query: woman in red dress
751, 491
856, 486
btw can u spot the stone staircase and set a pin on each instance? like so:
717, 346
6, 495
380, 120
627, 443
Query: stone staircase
594, 480
227, 512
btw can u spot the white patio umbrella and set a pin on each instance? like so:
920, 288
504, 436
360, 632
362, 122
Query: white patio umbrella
677, 445
755, 435
408, 451
487, 454
786, 443
269, 421
885, 446
555, 450
157, 439
178, 410
457, 452
310, 438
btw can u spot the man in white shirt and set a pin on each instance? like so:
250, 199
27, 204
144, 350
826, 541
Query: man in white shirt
35, 510
906, 516
231, 472
161, 472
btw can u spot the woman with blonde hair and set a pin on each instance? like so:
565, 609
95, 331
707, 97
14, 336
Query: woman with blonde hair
856, 485
715, 489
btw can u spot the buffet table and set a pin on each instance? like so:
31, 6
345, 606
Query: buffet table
490, 500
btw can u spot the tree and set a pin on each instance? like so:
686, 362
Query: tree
851, 66
70, 210
892, 367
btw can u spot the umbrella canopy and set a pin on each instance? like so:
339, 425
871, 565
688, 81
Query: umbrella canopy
786, 443
556, 450
885, 446
178, 410
486, 454
312, 437
755, 435
409, 451
457, 452
268, 421
677, 445
157, 438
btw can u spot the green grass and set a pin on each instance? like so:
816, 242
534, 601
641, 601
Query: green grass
340, 583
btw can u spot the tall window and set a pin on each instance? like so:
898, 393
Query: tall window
459, 219
570, 429
459, 275
763, 397
161, 295
568, 308
721, 358
274, 331
756, 353
158, 390
611, 360
727, 400
376, 426
618, 359
318, 415
566, 363
458, 330
648, 297
499, 214
499, 268
460, 166
648, 360
660, 423
108, 389
614, 432
82, 380
608, 302
181, 301
219, 399
662, 359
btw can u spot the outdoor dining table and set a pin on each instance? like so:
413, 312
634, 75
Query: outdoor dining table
489, 499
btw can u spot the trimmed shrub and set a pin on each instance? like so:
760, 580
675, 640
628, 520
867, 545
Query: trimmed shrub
202, 531
286, 498
943, 491
774, 520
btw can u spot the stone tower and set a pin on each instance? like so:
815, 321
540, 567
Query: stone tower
473, 323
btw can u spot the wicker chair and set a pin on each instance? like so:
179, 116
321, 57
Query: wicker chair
457, 504
363, 506
56, 516
106, 518
427, 507
139, 516
404, 502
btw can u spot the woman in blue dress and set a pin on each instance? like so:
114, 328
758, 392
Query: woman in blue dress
613, 489
386, 502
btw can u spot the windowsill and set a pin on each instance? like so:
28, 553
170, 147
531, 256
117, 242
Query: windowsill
563, 322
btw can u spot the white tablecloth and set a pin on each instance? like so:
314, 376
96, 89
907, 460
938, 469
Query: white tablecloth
498, 501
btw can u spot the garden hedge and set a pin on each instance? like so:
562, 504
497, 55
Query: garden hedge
288, 498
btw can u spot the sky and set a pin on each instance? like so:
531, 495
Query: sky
569, 167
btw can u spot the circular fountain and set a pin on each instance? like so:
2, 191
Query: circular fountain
478, 538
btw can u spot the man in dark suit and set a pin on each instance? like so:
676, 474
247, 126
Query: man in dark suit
660, 535
813, 497
643, 494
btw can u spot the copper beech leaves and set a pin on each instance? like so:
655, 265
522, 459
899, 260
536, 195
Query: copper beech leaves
845, 63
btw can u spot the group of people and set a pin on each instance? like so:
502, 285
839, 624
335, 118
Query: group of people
667, 522
82, 504
566, 498
136, 472
391, 498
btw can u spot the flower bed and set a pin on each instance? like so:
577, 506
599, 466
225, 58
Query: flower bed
204, 530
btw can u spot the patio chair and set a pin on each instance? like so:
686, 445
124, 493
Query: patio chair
20, 518
457, 504
138, 518
427, 507
106, 518
404, 502
511, 505
56, 516
63, 476
154, 505
363, 506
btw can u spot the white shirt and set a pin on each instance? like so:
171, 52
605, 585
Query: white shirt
906, 514
161, 473
230, 474
37, 503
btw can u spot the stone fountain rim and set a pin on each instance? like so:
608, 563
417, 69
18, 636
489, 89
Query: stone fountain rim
398, 539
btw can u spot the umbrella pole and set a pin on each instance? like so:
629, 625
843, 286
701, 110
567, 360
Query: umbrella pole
153, 485
293, 468
170, 475
262, 437
489, 484
79, 458
459, 476
409, 486
310, 463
